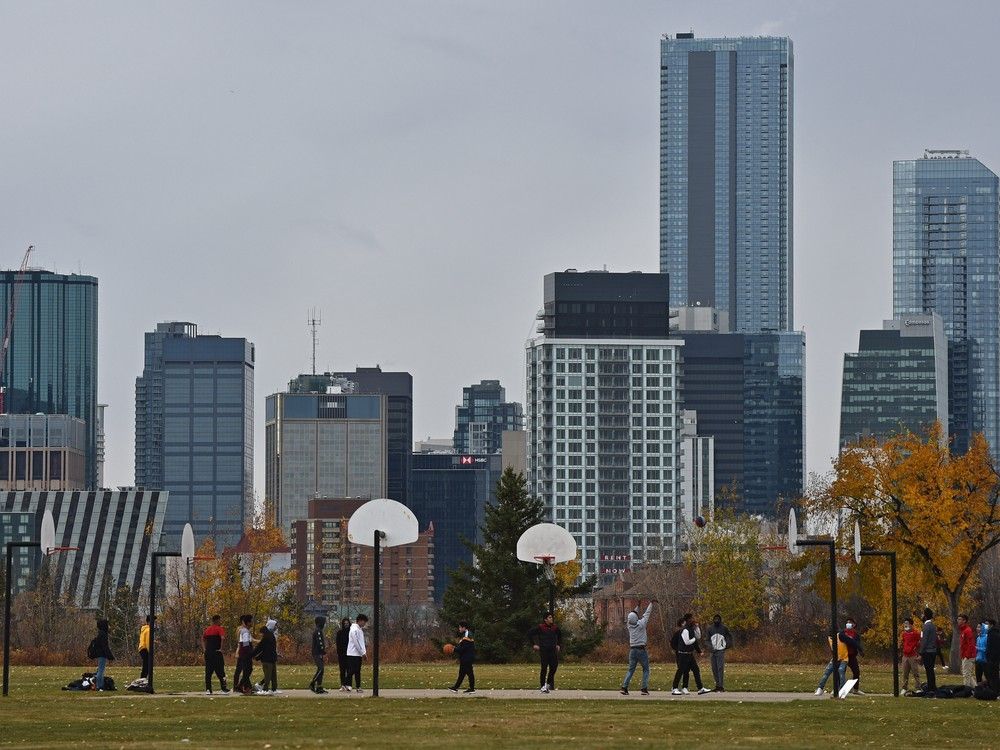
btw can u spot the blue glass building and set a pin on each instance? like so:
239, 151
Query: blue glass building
483, 417
51, 365
451, 491
946, 260
194, 430
726, 177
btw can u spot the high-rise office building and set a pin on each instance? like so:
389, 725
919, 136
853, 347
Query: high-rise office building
748, 393
397, 387
194, 430
323, 440
946, 260
450, 492
897, 381
726, 177
483, 416
603, 416
51, 365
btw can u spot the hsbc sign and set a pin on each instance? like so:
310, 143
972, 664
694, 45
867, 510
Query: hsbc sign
471, 460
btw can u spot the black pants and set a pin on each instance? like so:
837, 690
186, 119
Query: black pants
686, 665
465, 670
353, 670
928, 659
345, 677
317, 681
993, 674
144, 655
980, 671
214, 664
852, 663
270, 681
244, 667
550, 663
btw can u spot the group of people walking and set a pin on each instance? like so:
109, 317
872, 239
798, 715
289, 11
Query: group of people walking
686, 645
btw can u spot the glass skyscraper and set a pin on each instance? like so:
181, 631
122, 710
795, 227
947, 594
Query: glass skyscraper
51, 365
726, 177
483, 417
946, 260
194, 430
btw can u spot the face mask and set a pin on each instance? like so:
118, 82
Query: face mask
850, 626
907, 627
986, 626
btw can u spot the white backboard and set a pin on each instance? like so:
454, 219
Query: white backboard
187, 542
393, 519
793, 532
857, 542
47, 535
546, 540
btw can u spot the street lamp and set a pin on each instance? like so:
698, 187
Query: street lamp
859, 552
46, 542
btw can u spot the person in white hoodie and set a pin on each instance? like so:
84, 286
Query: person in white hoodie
356, 651
637, 654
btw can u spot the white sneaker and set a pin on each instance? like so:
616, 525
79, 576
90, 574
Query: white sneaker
684, 691
543, 689
703, 691
819, 691
675, 691
208, 692
357, 690
344, 689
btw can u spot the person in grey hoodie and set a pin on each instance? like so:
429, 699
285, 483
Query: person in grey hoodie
928, 647
719, 639
637, 653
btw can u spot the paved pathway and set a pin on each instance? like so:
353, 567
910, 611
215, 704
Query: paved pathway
409, 694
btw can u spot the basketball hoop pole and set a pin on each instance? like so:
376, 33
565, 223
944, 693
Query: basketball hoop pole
6, 608
378, 537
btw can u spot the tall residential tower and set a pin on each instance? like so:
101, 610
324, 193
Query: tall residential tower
946, 260
726, 177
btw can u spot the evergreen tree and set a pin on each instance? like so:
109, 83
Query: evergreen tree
500, 596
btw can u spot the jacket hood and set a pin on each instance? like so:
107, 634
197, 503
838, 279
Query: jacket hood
633, 618
103, 625
320, 621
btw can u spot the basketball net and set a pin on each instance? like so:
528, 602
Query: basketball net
548, 563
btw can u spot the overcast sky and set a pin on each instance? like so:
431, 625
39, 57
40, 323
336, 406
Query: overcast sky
413, 169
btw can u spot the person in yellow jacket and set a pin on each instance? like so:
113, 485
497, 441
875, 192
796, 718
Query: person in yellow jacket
840, 665
144, 648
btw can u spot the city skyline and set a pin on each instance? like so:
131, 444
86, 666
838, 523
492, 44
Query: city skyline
248, 174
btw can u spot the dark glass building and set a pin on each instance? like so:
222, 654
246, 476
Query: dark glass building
451, 492
51, 364
194, 430
747, 390
397, 387
483, 417
897, 381
599, 304
726, 177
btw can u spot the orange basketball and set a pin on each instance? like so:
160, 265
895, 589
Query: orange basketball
448, 649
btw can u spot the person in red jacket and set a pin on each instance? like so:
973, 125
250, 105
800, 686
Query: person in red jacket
967, 650
911, 654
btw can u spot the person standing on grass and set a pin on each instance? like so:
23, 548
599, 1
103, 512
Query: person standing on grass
546, 639
982, 636
343, 636
319, 657
144, 649
911, 654
852, 638
266, 653
465, 652
356, 650
929, 647
840, 664
967, 650
244, 656
686, 664
993, 655
719, 640
102, 651
215, 662
637, 654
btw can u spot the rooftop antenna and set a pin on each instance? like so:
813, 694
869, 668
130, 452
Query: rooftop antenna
314, 322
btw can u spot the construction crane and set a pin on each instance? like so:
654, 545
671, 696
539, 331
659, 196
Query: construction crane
8, 330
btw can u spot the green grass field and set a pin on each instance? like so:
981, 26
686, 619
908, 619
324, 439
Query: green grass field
38, 715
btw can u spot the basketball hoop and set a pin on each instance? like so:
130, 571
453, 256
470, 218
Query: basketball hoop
548, 563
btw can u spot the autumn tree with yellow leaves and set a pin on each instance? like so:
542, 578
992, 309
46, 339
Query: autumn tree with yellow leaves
939, 512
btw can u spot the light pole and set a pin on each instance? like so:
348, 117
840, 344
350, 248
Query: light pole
859, 551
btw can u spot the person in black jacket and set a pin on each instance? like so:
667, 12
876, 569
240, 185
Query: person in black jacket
319, 656
466, 653
343, 636
102, 651
546, 639
993, 655
266, 652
